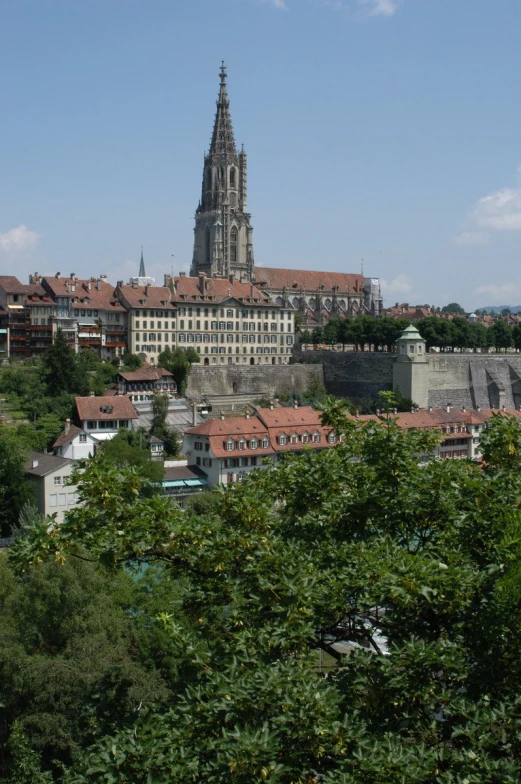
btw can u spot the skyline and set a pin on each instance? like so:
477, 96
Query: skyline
410, 163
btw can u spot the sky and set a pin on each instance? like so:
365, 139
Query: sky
382, 133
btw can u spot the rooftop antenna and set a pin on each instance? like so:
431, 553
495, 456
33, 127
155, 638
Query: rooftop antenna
172, 268
362, 266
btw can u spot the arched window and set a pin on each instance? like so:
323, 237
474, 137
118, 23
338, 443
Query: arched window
295, 302
233, 244
232, 177
207, 246
282, 440
232, 199
279, 301
328, 304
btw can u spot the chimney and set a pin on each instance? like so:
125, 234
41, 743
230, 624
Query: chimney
447, 408
231, 278
247, 413
146, 291
194, 414
182, 274
271, 405
357, 414
89, 285
119, 284
92, 394
395, 410
202, 277
166, 280
57, 276
229, 292
430, 409
412, 410
34, 464
295, 404
67, 427
134, 283
377, 412
479, 408
464, 409
98, 284
222, 416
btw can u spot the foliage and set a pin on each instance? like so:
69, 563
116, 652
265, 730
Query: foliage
159, 426
14, 490
192, 355
132, 361
74, 662
132, 451
453, 307
61, 370
403, 573
178, 364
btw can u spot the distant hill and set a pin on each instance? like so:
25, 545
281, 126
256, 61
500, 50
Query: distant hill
499, 308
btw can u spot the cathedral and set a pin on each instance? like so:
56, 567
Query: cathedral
223, 239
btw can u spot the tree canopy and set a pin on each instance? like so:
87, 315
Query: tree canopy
346, 616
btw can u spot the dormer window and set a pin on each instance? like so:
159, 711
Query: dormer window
332, 438
282, 440
242, 444
294, 438
265, 443
230, 445
316, 438
305, 438
253, 443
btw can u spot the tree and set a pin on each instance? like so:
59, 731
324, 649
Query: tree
500, 335
298, 322
330, 333
177, 363
192, 355
131, 361
132, 452
159, 427
305, 337
59, 367
14, 490
404, 574
453, 307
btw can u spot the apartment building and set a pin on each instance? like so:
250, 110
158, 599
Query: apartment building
226, 321
48, 476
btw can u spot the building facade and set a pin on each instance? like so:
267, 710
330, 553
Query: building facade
228, 322
48, 477
103, 417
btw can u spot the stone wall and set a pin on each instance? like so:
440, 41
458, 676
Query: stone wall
471, 380
265, 381
357, 376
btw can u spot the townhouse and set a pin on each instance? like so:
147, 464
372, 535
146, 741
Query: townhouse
48, 477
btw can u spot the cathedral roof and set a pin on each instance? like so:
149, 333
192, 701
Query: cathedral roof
307, 280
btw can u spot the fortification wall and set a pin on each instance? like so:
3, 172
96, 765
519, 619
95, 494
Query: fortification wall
358, 376
265, 381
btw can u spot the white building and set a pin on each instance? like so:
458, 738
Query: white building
48, 476
104, 417
74, 443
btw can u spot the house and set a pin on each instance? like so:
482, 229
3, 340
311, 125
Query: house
180, 482
140, 385
104, 417
74, 443
48, 476
228, 449
157, 448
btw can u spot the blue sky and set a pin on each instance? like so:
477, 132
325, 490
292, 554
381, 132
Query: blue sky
381, 130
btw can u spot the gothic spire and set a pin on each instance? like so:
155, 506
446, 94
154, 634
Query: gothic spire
222, 147
142, 273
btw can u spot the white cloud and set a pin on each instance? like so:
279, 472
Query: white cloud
401, 284
472, 238
499, 211
381, 7
18, 240
501, 293
277, 3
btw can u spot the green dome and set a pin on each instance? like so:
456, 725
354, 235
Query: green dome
411, 333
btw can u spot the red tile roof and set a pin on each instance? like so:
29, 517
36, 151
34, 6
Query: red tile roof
12, 285
231, 426
147, 373
189, 289
117, 407
65, 438
286, 417
147, 296
308, 280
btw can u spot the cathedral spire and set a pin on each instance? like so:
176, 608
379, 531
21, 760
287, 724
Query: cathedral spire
222, 146
142, 273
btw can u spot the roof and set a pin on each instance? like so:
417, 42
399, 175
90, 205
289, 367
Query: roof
286, 417
66, 438
45, 464
410, 333
146, 373
230, 426
105, 408
308, 280
191, 289
183, 472
12, 285
147, 296
85, 293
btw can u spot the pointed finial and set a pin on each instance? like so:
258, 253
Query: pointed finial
142, 273
223, 72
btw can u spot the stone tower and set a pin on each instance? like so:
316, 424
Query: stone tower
411, 367
223, 241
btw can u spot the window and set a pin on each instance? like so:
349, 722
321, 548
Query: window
316, 438
253, 443
91, 425
83, 438
199, 446
242, 444
57, 480
305, 438
411, 349
53, 499
232, 178
331, 438
265, 443
282, 440
230, 445
233, 243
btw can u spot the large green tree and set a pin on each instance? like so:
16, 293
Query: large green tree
347, 616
